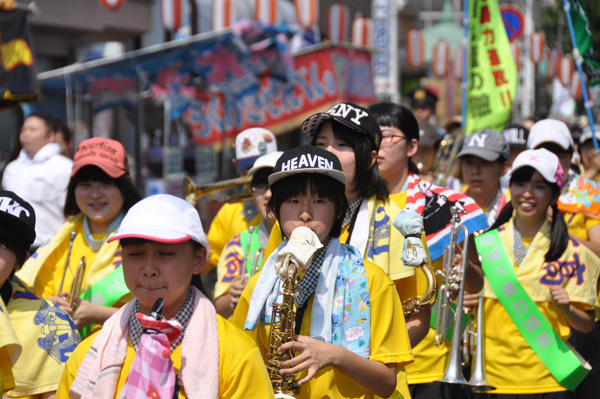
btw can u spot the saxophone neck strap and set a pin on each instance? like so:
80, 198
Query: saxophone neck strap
563, 362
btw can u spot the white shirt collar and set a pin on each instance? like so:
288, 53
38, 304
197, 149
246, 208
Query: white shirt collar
46, 152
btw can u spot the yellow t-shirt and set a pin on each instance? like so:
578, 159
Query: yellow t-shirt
511, 364
10, 349
578, 224
228, 222
49, 337
389, 339
242, 373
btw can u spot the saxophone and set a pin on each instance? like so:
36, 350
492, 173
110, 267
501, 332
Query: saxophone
282, 330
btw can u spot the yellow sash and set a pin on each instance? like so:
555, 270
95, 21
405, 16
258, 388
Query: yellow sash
576, 270
98, 269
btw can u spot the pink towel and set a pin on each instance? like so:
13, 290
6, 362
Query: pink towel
152, 374
199, 373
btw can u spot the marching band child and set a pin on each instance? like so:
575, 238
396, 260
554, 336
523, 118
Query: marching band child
164, 251
350, 329
538, 284
243, 250
99, 194
47, 334
401, 139
484, 160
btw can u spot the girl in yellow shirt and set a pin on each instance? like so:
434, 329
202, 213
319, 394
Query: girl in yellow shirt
99, 194
558, 274
351, 335
164, 251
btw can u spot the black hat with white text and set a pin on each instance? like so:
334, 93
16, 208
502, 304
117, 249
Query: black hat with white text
350, 115
17, 216
307, 159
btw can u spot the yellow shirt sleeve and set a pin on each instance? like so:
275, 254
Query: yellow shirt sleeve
228, 222
389, 339
578, 224
242, 373
7, 382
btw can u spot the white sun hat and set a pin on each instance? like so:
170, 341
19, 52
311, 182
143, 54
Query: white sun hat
162, 218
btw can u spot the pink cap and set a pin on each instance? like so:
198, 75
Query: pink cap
542, 160
109, 155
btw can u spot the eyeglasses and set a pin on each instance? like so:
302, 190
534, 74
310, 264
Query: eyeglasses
388, 138
260, 188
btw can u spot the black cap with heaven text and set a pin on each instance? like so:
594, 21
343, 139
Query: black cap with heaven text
16, 216
307, 159
349, 114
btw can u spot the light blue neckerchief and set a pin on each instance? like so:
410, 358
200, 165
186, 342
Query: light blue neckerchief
341, 309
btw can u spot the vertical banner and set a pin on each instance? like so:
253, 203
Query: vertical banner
385, 40
492, 73
17, 77
583, 37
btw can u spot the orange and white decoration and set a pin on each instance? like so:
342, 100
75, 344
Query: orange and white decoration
338, 22
440, 59
415, 49
172, 13
362, 32
458, 62
537, 42
554, 60
224, 13
575, 88
515, 50
266, 11
307, 13
112, 5
566, 71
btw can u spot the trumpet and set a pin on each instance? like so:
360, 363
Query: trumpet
191, 192
72, 236
257, 256
283, 320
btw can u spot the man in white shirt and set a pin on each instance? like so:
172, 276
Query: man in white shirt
40, 175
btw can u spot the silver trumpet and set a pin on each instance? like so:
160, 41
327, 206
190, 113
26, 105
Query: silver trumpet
478, 379
454, 279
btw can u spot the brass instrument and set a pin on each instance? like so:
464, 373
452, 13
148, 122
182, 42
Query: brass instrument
414, 305
77, 281
282, 330
478, 379
191, 192
454, 279
257, 256
72, 236
446, 155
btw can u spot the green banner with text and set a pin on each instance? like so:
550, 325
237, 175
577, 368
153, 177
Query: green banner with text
492, 70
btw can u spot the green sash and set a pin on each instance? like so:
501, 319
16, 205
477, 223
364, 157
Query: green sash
254, 246
565, 364
106, 292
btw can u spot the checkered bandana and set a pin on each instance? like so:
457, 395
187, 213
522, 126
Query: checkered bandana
250, 210
352, 209
308, 284
183, 317
263, 234
518, 247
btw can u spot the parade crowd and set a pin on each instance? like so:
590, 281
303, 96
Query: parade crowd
106, 294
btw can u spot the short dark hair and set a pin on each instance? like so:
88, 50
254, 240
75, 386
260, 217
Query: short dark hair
48, 120
320, 185
196, 278
17, 244
555, 148
400, 117
64, 129
261, 176
95, 174
559, 236
367, 181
